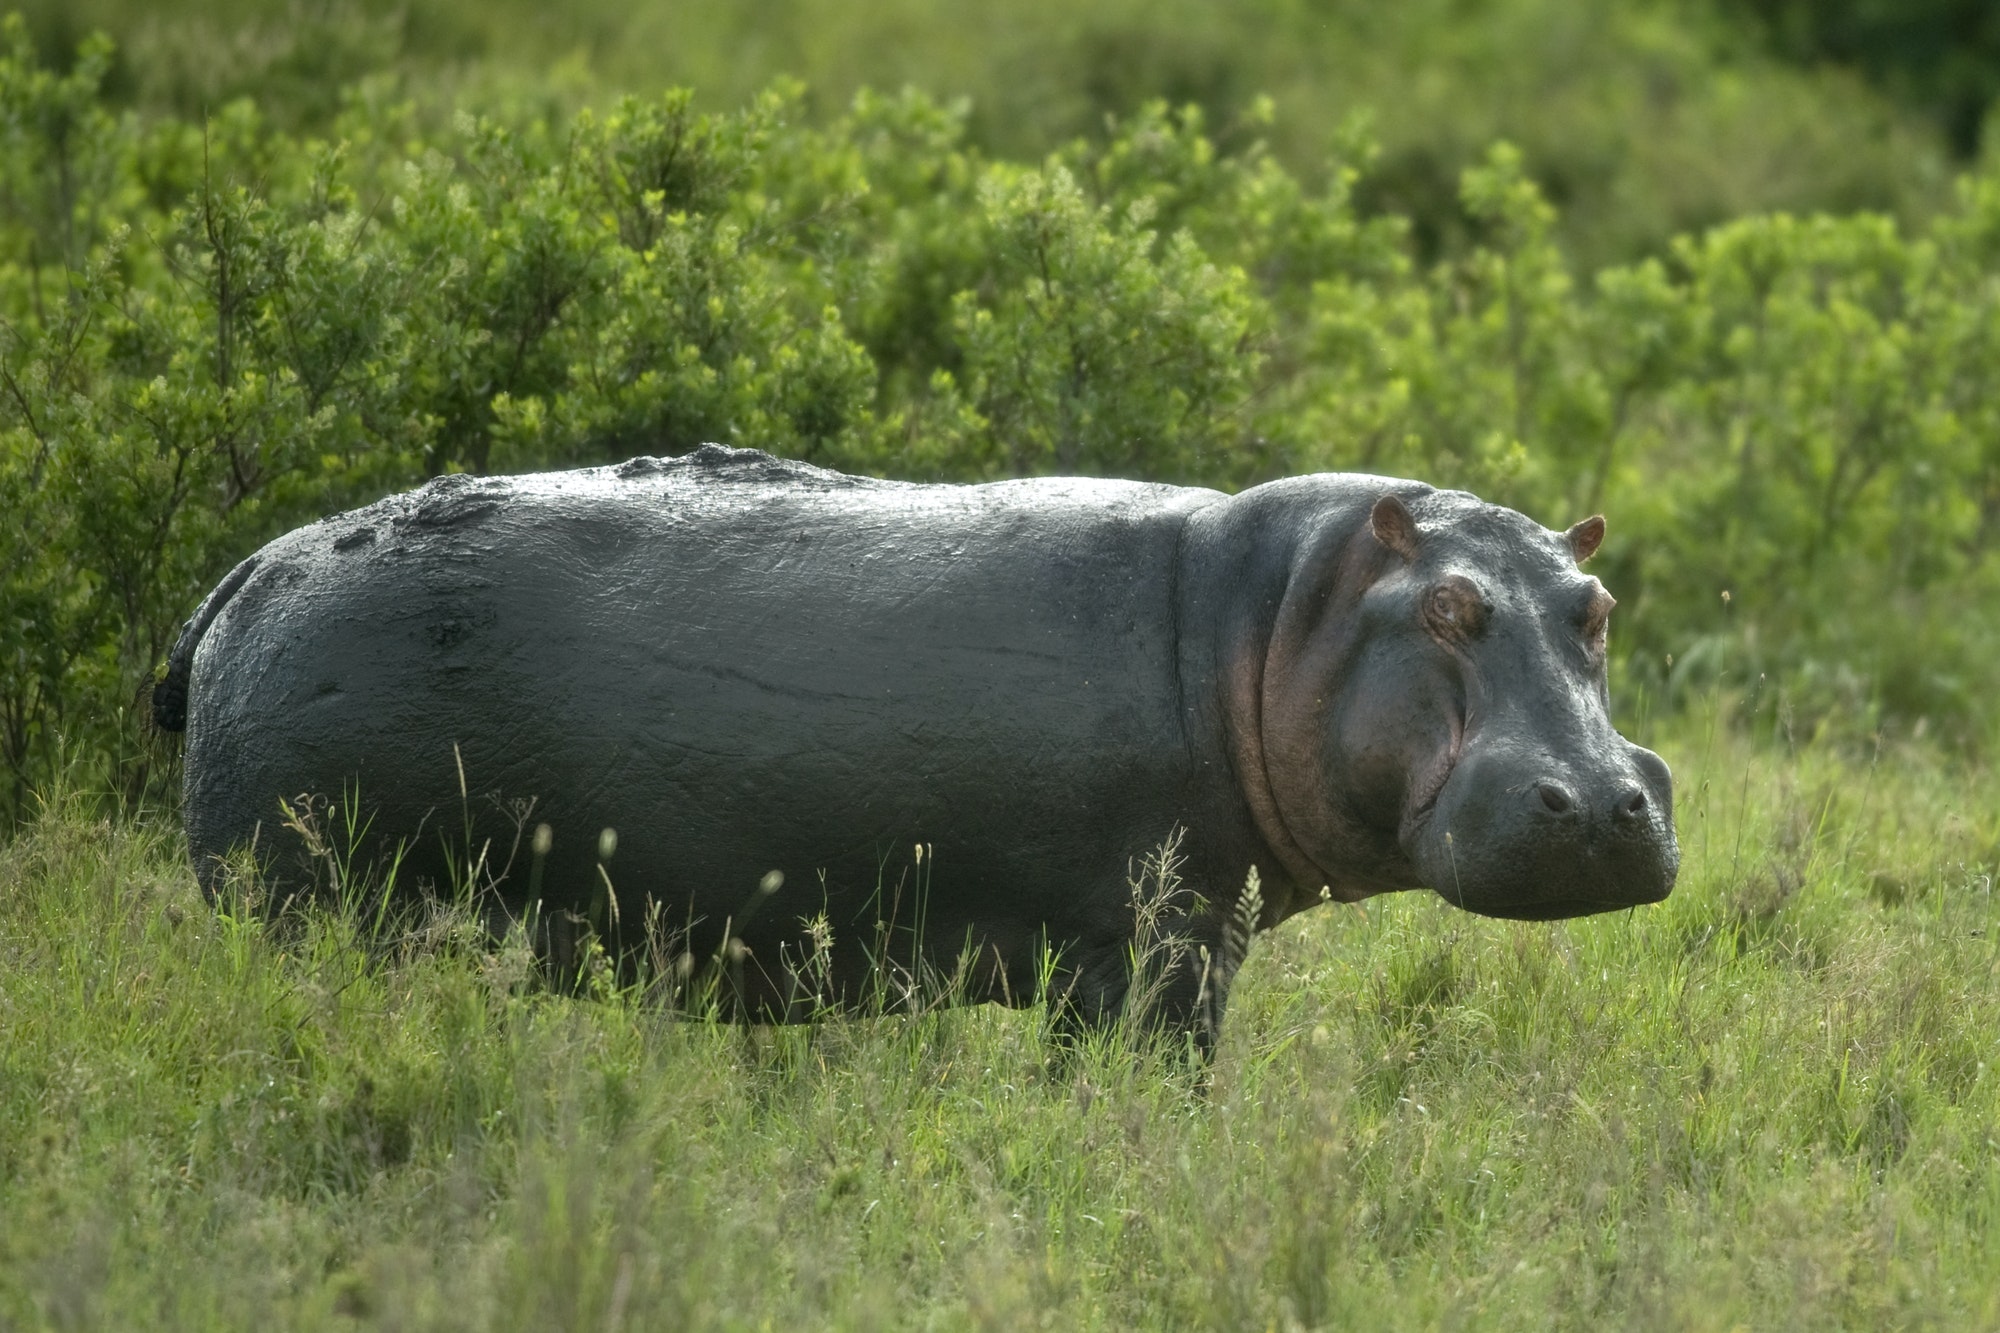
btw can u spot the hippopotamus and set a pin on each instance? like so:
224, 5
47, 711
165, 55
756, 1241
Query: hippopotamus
823, 724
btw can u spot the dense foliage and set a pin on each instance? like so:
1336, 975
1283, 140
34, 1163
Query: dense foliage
1640, 118
217, 329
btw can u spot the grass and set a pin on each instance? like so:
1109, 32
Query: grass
1768, 1102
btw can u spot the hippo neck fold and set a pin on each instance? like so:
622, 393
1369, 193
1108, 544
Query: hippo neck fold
1271, 575
1306, 664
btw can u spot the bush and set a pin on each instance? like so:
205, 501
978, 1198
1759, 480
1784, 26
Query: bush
1641, 119
216, 331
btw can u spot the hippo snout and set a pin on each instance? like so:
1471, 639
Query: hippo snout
1528, 837
1629, 804
1634, 802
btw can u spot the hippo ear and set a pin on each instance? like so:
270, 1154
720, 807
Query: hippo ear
1585, 537
1393, 526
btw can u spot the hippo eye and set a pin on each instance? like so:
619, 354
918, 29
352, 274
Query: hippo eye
1454, 609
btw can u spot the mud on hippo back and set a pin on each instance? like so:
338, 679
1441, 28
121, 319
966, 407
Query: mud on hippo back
742, 664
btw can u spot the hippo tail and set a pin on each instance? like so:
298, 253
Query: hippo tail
170, 692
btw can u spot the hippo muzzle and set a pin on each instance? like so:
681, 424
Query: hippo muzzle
1516, 833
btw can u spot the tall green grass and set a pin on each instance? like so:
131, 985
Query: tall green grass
1768, 1102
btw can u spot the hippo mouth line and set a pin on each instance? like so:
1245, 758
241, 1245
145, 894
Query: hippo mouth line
1559, 909
1417, 821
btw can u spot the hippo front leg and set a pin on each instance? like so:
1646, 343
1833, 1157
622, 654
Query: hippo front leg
1166, 985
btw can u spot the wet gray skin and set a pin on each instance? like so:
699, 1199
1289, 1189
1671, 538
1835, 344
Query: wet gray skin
741, 664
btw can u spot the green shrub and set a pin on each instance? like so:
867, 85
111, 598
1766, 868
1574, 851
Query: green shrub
1641, 119
215, 331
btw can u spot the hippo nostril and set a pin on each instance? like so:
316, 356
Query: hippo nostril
1555, 798
1633, 806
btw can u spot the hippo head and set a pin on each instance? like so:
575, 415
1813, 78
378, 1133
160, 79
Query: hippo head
1439, 706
